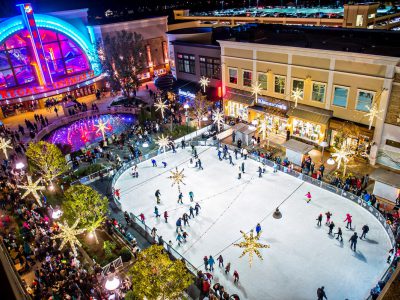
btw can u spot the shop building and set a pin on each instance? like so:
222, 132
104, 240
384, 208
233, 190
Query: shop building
335, 87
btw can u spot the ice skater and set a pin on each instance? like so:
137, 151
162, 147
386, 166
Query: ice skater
260, 171
199, 164
220, 261
179, 225
321, 293
180, 197
135, 173
331, 226
197, 208
230, 160
142, 218
240, 173
191, 195
185, 218
236, 276
308, 196
191, 209
184, 236
164, 164
228, 268
205, 260
154, 162
179, 238
328, 215
236, 153
348, 219
365, 230
339, 234
258, 230
243, 167
166, 216
158, 194
211, 263
156, 212
319, 219
353, 241
219, 155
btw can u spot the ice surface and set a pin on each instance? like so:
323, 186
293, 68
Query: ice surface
302, 256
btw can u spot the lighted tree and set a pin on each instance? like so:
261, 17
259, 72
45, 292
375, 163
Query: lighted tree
200, 108
123, 59
161, 106
84, 202
373, 113
4, 144
297, 95
47, 159
155, 276
218, 117
204, 82
255, 90
163, 142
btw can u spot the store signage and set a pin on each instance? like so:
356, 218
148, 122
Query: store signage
186, 94
262, 101
28, 91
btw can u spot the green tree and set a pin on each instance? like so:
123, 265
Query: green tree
155, 276
84, 202
123, 58
47, 159
200, 108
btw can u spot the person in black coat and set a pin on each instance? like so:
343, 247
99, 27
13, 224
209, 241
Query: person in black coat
365, 230
321, 293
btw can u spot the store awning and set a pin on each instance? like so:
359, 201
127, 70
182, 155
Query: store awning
239, 96
263, 109
312, 114
386, 177
355, 129
298, 146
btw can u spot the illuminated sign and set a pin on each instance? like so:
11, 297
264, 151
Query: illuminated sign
186, 94
262, 101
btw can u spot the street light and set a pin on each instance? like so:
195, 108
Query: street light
56, 214
19, 165
323, 145
330, 161
112, 283
145, 145
186, 107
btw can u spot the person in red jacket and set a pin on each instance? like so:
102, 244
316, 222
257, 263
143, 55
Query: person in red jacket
142, 218
206, 287
236, 276
166, 216
348, 220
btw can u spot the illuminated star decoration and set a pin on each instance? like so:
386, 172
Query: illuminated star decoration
177, 178
297, 95
204, 82
68, 235
255, 90
161, 106
263, 127
4, 144
101, 127
32, 188
342, 155
373, 112
251, 246
163, 142
218, 117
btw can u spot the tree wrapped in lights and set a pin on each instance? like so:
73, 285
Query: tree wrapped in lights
255, 90
297, 95
218, 118
250, 246
4, 145
342, 155
68, 235
163, 142
373, 112
32, 188
263, 128
47, 159
161, 106
204, 82
200, 108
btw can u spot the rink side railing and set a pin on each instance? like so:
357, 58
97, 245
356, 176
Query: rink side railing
210, 142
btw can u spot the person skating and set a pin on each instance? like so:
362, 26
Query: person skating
321, 293
166, 216
260, 171
308, 196
199, 164
183, 145
179, 238
245, 153
319, 219
348, 220
185, 218
236, 153
243, 167
240, 173
184, 236
219, 155
191, 209
258, 230
179, 225
142, 218
191, 195
228, 268
156, 212
230, 160
180, 197
211, 263
339, 234
365, 230
220, 261
205, 260
353, 241
158, 194
164, 164
236, 276
328, 215
196, 208
154, 162
331, 226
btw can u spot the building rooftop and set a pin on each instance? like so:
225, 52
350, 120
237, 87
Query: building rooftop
378, 42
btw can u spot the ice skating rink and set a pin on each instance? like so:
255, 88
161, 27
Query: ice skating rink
302, 256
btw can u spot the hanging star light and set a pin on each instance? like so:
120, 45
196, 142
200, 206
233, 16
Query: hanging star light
161, 106
342, 155
263, 127
255, 90
4, 144
68, 235
297, 95
177, 178
32, 188
204, 82
163, 142
102, 127
218, 117
251, 246
373, 112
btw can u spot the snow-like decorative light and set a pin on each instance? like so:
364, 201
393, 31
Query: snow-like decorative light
32, 188
342, 155
255, 90
177, 178
160, 105
373, 112
218, 117
101, 127
251, 246
297, 95
263, 127
163, 142
68, 235
204, 82
4, 144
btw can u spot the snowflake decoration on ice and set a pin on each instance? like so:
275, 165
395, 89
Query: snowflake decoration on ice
204, 82
218, 117
373, 112
251, 246
4, 144
342, 154
160, 105
163, 142
297, 95
68, 235
255, 90
177, 178
263, 127
32, 188
101, 127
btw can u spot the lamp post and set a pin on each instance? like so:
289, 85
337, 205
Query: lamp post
186, 107
323, 145
330, 161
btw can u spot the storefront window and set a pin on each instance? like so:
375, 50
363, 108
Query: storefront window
357, 143
340, 96
247, 78
307, 130
186, 63
263, 81
318, 91
279, 84
233, 76
364, 100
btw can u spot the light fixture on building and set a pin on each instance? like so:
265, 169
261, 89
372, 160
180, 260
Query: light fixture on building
19, 165
277, 214
330, 161
145, 145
